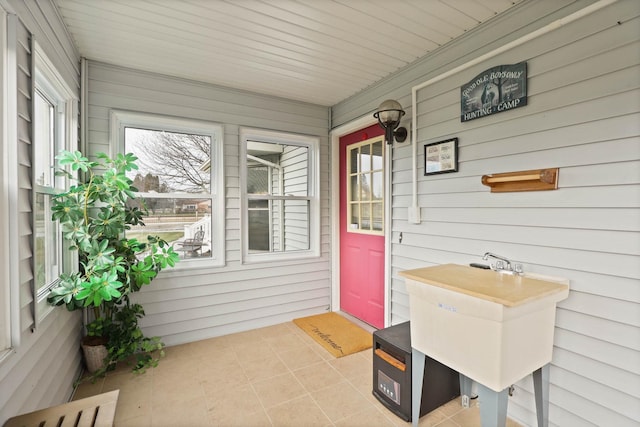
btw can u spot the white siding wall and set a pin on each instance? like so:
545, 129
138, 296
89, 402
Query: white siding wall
583, 116
188, 305
276, 212
294, 163
40, 370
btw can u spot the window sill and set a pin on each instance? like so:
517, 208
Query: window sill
279, 257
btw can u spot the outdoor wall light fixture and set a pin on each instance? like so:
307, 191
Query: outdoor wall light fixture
389, 114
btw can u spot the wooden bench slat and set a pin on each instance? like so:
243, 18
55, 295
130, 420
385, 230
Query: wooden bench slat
82, 410
106, 415
87, 417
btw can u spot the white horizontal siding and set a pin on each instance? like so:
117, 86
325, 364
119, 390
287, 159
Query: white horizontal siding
48, 360
42, 21
583, 116
294, 163
190, 304
40, 371
506, 27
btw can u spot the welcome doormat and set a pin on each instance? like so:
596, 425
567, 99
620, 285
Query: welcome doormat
336, 334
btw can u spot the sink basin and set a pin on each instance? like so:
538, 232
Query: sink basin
492, 327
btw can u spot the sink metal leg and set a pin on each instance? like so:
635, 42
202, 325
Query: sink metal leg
465, 390
493, 406
541, 390
417, 376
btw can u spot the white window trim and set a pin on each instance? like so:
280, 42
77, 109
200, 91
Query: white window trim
313, 143
120, 119
48, 79
9, 298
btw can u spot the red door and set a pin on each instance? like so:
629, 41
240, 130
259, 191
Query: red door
362, 199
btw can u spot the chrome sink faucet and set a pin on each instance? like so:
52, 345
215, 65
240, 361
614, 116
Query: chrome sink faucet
503, 264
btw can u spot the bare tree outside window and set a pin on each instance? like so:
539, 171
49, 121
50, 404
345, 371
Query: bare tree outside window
179, 161
174, 180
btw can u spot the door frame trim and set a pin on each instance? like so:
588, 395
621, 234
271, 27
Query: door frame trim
335, 135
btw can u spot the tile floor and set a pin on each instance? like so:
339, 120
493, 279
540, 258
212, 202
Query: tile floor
274, 376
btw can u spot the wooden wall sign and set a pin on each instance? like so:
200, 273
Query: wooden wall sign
531, 180
495, 90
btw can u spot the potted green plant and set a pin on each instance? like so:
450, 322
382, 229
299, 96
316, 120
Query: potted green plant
94, 215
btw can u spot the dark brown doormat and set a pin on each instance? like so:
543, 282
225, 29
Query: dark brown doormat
336, 334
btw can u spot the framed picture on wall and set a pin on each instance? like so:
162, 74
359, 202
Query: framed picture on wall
441, 157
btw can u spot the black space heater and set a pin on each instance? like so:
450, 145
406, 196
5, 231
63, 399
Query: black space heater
392, 374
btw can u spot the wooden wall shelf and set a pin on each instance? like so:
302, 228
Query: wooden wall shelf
531, 180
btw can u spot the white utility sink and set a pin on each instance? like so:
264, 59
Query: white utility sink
492, 327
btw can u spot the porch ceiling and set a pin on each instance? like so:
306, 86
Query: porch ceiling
317, 51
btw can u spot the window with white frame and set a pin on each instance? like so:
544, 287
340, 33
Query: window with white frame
54, 129
179, 181
5, 265
280, 195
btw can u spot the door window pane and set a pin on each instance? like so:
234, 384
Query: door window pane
354, 155
366, 189
365, 158
377, 186
377, 216
377, 153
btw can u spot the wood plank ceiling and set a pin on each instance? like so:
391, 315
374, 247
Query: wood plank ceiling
317, 51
